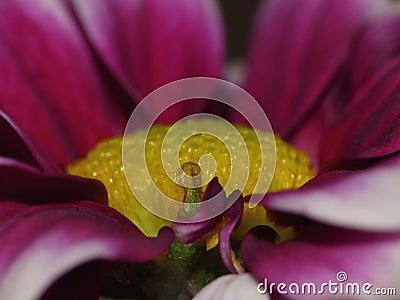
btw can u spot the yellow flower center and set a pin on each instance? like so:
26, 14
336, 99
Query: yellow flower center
104, 163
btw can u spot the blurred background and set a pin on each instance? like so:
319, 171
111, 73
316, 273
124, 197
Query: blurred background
238, 17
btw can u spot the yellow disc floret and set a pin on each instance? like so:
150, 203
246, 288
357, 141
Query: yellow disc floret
104, 163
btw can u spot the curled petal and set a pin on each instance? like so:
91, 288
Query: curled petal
148, 43
19, 146
232, 216
365, 199
188, 232
45, 242
52, 89
296, 49
325, 254
231, 287
371, 125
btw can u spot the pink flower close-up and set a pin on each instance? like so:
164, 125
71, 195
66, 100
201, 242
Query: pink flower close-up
326, 73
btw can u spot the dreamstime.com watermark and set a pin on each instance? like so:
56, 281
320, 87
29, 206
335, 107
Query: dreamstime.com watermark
340, 286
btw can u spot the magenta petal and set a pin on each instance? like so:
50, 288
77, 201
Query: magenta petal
296, 49
366, 199
44, 243
309, 138
187, 233
148, 43
19, 146
18, 98
51, 89
232, 216
371, 125
10, 208
376, 45
325, 251
25, 183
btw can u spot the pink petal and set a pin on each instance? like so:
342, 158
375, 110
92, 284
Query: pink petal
371, 125
376, 45
231, 287
10, 208
25, 183
148, 43
366, 199
51, 89
320, 256
45, 242
309, 138
296, 49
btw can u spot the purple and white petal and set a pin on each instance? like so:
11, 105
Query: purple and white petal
62, 237
324, 254
231, 287
366, 199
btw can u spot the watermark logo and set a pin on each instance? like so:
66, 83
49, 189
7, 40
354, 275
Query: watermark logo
341, 276
159, 101
339, 286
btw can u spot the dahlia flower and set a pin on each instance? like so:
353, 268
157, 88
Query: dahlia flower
325, 72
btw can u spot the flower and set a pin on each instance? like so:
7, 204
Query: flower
74, 73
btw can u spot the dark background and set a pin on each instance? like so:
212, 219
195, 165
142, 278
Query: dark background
238, 16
